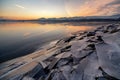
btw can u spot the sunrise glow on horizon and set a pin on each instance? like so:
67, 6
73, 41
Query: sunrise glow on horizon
33, 9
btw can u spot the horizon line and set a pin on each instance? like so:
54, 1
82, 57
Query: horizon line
50, 17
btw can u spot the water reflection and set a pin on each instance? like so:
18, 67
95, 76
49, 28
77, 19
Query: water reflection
18, 39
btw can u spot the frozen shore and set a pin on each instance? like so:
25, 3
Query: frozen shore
91, 55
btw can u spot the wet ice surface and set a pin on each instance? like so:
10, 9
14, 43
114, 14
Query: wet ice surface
93, 55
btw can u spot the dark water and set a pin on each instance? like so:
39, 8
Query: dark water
18, 39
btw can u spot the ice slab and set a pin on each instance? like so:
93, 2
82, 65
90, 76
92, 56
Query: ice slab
109, 59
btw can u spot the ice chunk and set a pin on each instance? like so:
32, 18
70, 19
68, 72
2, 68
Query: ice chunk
66, 71
9, 68
78, 73
19, 71
109, 58
64, 55
28, 78
78, 45
91, 71
113, 39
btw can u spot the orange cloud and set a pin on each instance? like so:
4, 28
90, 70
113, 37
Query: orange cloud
91, 8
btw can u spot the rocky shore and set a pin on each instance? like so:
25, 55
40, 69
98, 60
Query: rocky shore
90, 55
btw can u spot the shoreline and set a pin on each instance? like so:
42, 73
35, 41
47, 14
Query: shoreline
71, 58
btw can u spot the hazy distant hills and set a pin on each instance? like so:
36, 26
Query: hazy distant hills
87, 17
117, 15
69, 19
77, 19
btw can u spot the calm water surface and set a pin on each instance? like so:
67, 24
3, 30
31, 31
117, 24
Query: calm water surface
18, 39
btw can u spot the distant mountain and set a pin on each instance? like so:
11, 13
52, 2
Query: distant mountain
117, 15
2, 19
79, 19
87, 17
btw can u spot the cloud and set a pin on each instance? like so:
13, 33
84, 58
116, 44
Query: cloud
19, 6
115, 2
93, 7
112, 7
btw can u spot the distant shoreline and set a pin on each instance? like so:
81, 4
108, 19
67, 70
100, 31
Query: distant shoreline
57, 21
68, 19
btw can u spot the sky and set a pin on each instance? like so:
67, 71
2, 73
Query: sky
33, 9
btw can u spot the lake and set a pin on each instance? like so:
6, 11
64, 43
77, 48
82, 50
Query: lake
19, 39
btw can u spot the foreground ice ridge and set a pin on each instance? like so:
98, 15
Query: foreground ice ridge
91, 55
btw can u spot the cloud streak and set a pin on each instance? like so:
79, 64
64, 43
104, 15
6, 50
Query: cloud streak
112, 7
115, 2
19, 6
